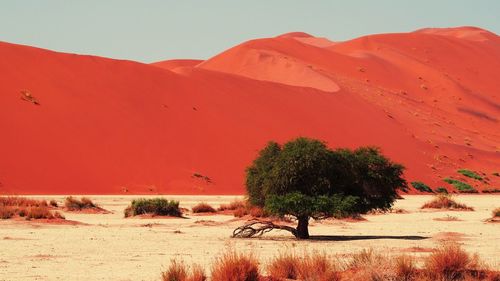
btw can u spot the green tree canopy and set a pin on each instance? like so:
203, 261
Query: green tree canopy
305, 179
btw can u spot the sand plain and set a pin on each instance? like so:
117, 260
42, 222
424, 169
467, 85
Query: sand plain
111, 247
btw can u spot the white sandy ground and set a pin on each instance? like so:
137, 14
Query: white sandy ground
111, 248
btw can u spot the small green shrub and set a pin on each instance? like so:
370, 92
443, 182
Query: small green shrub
441, 190
461, 186
470, 174
153, 206
420, 186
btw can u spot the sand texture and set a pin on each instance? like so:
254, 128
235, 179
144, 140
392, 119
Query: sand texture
110, 247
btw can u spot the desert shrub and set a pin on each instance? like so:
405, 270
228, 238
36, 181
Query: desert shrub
496, 174
450, 262
491, 190
470, 174
153, 206
420, 186
233, 266
461, 186
73, 204
203, 208
441, 190
236, 204
53, 203
445, 201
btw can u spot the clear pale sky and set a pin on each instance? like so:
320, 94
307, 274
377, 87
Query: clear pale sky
151, 30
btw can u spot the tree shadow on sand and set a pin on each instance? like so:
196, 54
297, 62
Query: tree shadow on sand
364, 237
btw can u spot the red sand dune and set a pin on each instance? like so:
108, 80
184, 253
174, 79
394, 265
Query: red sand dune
428, 98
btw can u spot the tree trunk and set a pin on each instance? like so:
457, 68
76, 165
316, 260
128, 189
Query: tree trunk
303, 227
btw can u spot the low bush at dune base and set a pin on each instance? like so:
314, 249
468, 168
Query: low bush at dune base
153, 206
11, 207
445, 201
73, 204
203, 208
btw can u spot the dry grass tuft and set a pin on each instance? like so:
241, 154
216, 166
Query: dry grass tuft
445, 201
233, 266
73, 204
318, 267
178, 271
450, 262
284, 266
236, 204
368, 265
447, 263
203, 208
309, 267
14, 206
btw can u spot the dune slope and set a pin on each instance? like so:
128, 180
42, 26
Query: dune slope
75, 124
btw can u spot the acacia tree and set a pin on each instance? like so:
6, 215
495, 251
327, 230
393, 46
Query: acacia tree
305, 179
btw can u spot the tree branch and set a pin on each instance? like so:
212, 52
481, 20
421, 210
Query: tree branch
258, 228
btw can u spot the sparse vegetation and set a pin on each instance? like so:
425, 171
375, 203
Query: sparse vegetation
309, 267
470, 174
446, 263
441, 190
203, 208
73, 204
496, 174
445, 201
461, 186
420, 186
11, 207
153, 206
